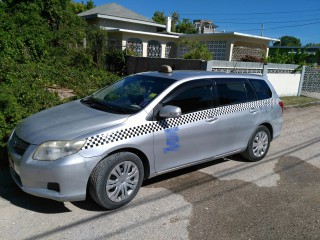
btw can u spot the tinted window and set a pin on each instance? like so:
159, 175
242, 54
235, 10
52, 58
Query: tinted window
261, 88
191, 98
250, 93
231, 93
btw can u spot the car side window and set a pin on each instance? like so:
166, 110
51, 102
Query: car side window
250, 92
261, 88
191, 97
231, 93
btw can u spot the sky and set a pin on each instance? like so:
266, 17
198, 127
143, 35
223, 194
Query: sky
300, 19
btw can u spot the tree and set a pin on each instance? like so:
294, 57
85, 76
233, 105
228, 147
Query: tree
196, 50
159, 17
81, 7
313, 45
186, 26
175, 16
299, 57
288, 41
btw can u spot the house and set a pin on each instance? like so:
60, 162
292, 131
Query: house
133, 32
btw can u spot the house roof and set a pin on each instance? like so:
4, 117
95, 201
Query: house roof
115, 10
233, 34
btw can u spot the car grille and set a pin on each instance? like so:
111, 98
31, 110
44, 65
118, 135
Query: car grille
18, 144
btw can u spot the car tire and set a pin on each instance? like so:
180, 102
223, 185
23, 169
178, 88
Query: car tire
258, 144
116, 180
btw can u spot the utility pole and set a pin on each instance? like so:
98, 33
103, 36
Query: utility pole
262, 29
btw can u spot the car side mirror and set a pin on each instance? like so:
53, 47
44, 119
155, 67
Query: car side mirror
170, 111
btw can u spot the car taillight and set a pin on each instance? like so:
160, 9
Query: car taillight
281, 105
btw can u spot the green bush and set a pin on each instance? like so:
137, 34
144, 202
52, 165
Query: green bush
22, 93
42, 45
116, 61
196, 50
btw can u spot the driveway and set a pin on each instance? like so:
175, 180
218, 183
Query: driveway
277, 198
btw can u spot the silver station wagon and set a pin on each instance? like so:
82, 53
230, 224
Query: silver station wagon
139, 127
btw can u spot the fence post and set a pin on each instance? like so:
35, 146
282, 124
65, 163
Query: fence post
265, 70
208, 65
301, 80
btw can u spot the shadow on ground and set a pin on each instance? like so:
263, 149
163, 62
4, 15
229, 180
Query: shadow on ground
12, 193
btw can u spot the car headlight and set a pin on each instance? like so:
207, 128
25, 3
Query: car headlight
54, 150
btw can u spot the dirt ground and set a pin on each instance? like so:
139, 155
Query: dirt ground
276, 198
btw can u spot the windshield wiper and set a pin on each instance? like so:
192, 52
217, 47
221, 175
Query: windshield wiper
94, 103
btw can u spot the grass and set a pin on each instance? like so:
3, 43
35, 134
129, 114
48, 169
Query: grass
298, 101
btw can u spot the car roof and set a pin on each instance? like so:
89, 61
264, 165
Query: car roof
190, 74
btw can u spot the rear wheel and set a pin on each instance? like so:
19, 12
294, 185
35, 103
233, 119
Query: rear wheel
116, 180
258, 144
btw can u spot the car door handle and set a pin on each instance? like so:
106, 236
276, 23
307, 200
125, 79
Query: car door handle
253, 110
211, 119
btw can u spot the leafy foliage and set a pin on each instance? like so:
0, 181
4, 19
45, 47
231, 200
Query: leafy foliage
159, 17
186, 26
175, 16
177, 25
283, 56
116, 61
81, 7
288, 41
196, 50
42, 45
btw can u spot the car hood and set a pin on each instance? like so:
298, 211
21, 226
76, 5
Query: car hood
65, 122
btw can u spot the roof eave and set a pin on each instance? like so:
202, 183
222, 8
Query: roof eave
234, 34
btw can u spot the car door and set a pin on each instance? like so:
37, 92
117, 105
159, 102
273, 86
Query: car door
238, 114
185, 139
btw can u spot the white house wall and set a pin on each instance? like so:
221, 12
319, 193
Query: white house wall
145, 39
224, 43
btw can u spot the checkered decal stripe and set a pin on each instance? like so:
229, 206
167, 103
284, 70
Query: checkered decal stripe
127, 133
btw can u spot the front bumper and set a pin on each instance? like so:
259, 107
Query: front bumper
64, 179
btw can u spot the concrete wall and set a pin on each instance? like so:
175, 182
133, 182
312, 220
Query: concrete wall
144, 64
285, 84
284, 77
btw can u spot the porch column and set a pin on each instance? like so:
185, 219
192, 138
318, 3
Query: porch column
145, 49
163, 51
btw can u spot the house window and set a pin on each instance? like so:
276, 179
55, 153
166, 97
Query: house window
154, 49
217, 48
134, 45
171, 50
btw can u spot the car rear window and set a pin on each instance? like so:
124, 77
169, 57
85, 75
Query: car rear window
261, 88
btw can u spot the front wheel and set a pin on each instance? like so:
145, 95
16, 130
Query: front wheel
116, 180
258, 144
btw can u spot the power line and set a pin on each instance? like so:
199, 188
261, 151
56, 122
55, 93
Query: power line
245, 14
288, 26
246, 23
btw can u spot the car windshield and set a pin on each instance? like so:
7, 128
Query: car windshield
128, 95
